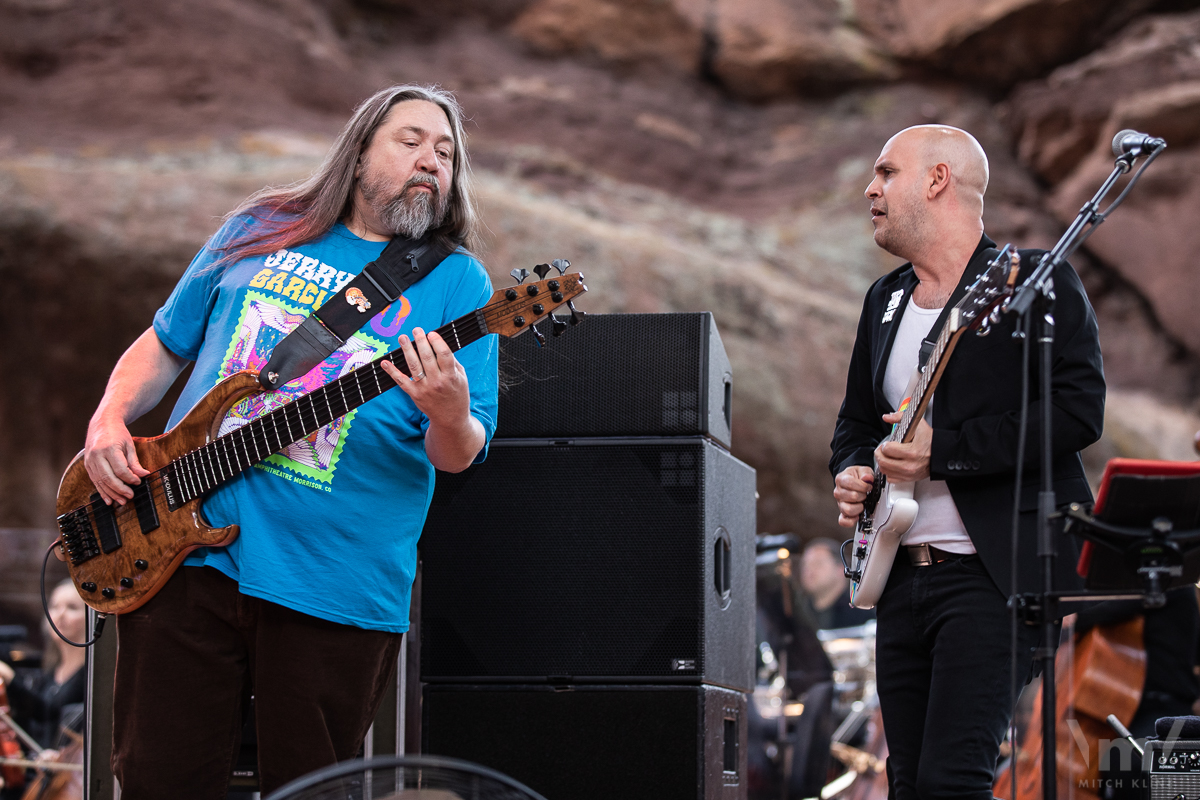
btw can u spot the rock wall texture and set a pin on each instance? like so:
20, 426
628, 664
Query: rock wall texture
685, 154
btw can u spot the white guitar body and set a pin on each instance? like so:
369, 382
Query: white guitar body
876, 540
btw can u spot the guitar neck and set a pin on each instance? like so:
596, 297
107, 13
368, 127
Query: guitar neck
205, 468
905, 429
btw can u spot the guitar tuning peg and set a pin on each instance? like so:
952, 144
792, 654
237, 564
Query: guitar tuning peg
985, 327
561, 264
519, 275
557, 325
541, 270
576, 315
541, 340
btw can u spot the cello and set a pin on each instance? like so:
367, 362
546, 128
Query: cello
1103, 674
60, 777
10, 748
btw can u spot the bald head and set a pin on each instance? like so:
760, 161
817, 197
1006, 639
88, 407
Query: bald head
958, 150
929, 185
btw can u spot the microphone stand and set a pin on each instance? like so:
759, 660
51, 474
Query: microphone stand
1036, 296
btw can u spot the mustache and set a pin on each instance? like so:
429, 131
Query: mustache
422, 179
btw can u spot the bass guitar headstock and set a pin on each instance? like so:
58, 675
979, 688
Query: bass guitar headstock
982, 305
512, 311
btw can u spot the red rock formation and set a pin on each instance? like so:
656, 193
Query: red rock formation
995, 42
773, 48
669, 191
1058, 120
110, 65
615, 31
1147, 79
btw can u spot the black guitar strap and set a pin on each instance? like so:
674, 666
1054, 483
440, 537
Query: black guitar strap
959, 293
401, 264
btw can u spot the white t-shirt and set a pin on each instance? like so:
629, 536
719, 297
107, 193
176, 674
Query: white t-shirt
938, 522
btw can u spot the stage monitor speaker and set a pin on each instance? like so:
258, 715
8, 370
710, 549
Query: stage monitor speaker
596, 742
619, 375
591, 560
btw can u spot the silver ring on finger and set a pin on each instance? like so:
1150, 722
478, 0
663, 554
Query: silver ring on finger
419, 376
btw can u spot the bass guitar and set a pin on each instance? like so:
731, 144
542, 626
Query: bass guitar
120, 556
889, 510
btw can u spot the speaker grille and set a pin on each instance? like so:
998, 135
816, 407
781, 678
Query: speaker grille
597, 742
581, 560
615, 375
1169, 787
1174, 768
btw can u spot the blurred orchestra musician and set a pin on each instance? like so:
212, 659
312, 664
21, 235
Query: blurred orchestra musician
792, 647
791, 716
942, 646
46, 700
826, 598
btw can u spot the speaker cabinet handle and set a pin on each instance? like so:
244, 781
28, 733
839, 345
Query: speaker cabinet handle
722, 566
728, 408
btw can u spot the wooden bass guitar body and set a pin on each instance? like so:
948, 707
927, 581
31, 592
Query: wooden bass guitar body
141, 543
120, 556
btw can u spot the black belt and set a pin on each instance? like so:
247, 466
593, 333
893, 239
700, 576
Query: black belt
922, 555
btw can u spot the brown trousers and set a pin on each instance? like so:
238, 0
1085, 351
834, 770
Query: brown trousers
189, 657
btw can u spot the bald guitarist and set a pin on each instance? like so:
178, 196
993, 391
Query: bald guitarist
943, 643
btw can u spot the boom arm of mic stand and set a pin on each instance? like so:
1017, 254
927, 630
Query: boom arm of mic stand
1086, 221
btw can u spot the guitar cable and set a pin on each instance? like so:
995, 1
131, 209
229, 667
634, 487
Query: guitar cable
100, 618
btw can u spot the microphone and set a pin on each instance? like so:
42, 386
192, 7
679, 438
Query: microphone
1129, 140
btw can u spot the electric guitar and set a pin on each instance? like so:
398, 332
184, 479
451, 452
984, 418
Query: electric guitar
120, 556
889, 509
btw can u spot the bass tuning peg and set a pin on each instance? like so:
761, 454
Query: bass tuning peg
519, 275
557, 326
541, 270
576, 315
541, 339
561, 264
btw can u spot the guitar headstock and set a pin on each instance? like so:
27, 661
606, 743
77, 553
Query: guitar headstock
980, 308
514, 310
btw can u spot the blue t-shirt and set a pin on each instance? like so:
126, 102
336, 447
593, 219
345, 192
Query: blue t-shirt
329, 526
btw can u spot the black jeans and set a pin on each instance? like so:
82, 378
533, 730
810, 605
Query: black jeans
189, 657
944, 677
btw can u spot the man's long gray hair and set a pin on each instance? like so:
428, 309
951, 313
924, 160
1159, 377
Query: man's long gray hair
307, 209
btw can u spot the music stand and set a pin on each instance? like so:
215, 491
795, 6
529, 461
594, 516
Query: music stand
1143, 531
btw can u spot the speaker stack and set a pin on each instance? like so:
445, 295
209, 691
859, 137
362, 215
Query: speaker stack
587, 602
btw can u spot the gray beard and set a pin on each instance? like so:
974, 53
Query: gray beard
408, 213
411, 214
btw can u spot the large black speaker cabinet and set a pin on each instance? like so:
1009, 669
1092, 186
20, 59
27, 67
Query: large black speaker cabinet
619, 375
597, 742
593, 560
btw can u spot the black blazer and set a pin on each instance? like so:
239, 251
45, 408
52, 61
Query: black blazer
975, 416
